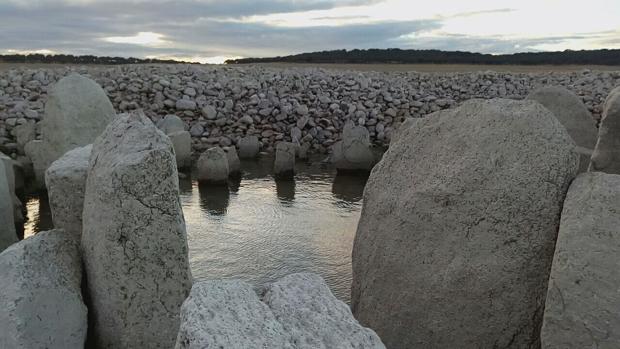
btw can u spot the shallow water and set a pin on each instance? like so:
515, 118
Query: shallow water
259, 229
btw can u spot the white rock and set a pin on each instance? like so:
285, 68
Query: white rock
134, 240
209, 112
213, 166
65, 180
40, 294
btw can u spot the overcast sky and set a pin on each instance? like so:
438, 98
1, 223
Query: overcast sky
213, 30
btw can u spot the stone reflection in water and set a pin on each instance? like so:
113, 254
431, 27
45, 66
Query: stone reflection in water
38, 215
214, 198
349, 188
234, 183
285, 189
185, 185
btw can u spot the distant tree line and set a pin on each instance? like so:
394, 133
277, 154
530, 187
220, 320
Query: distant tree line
87, 59
395, 55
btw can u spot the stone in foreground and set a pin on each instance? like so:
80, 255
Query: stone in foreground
213, 166
298, 311
353, 153
66, 181
134, 240
40, 293
284, 164
8, 235
582, 307
249, 147
573, 115
606, 156
458, 226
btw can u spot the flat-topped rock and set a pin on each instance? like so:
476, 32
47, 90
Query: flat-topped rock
134, 240
40, 294
581, 310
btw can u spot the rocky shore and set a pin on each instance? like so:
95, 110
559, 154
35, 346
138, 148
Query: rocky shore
221, 104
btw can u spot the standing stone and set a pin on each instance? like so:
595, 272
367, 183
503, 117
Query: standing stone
213, 166
606, 156
40, 293
458, 226
134, 240
7, 222
66, 181
284, 164
353, 153
249, 147
297, 312
234, 164
9, 170
582, 304
37, 152
171, 124
573, 115
182, 145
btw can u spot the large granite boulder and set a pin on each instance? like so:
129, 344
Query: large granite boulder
353, 153
582, 304
234, 164
40, 295
8, 235
284, 163
171, 124
213, 166
606, 156
458, 226
249, 147
573, 115
76, 112
65, 180
134, 240
298, 311
182, 145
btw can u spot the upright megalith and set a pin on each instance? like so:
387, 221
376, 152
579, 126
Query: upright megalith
182, 145
284, 163
133, 239
249, 147
458, 226
582, 304
234, 164
76, 112
296, 312
573, 115
65, 180
40, 293
213, 166
9, 172
606, 156
8, 235
353, 153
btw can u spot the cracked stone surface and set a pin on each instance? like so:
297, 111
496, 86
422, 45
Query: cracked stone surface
573, 115
606, 156
40, 293
582, 304
458, 226
8, 235
66, 181
284, 164
296, 312
212, 166
134, 240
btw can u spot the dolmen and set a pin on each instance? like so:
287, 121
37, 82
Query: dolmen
458, 227
181, 139
212, 166
298, 311
76, 112
353, 153
606, 156
573, 115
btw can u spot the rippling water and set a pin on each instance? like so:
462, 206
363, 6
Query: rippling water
259, 229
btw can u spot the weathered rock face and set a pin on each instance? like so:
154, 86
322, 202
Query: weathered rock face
7, 222
37, 153
134, 240
213, 166
65, 180
18, 218
573, 115
234, 164
171, 124
284, 164
458, 226
76, 112
40, 293
606, 156
182, 144
353, 152
249, 147
582, 304
298, 311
